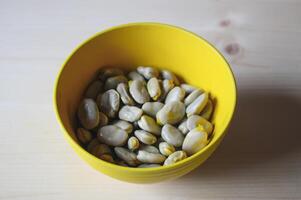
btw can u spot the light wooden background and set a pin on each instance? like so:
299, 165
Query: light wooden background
259, 159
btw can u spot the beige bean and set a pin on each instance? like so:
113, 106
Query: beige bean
170, 76
147, 157
130, 113
101, 149
194, 141
133, 75
166, 149
171, 113
175, 157
112, 82
149, 165
121, 163
109, 102
145, 137
166, 86
109, 72
129, 157
94, 142
172, 135
94, 89
207, 111
128, 127
112, 135
154, 88
139, 91
149, 148
192, 96
187, 134
197, 105
149, 124
123, 90
183, 127
133, 143
148, 72
83, 135
103, 119
88, 114
194, 121
151, 108
188, 88
176, 94
107, 157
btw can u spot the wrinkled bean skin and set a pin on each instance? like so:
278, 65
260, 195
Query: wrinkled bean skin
129, 157
133, 75
130, 113
145, 137
151, 108
171, 113
112, 135
139, 92
183, 127
197, 105
148, 72
192, 96
123, 90
172, 135
153, 88
133, 143
194, 141
166, 86
149, 148
128, 127
152, 158
109, 102
188, 88
112, 82
175, 157
88, 114
195, 120
109, 72
149, 124
206, 113
170, 76
166, 149
176, 94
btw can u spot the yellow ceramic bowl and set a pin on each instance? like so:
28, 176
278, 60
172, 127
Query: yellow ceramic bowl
147, 44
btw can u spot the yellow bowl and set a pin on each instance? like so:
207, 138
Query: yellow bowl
147, 44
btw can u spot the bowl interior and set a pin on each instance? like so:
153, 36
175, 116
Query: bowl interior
147, 44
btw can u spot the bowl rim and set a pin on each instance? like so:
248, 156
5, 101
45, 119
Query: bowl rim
133, 169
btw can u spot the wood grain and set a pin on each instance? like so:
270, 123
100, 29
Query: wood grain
259, 159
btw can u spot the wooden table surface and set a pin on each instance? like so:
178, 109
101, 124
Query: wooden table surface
260, 158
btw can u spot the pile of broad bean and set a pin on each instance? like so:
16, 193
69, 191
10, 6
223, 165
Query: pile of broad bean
145, 118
